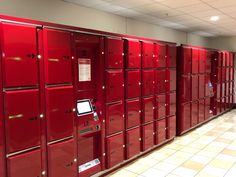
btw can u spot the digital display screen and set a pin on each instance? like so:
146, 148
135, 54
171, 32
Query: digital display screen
84, 107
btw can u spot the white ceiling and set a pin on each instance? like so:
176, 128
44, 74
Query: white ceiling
186, 15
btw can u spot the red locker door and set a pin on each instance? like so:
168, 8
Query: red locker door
208, 61
201, 117
194, 87
27, 164
172, 56
223, 90
171, 104
224, 58
208, 108
114, 118
171, 124
115, 150
147, 136
147, 82
148, 109
218, 90
201, 85
133, 84
19, 45
194, 113
185, 67
172, 82
195, 60
148, 58
208, 86
59, 113
160, 131
133, 113
219, 75
161, 81
161, 106
114, 85
133, 142
185, 88
218, 106
161, 55
185, 117
133, 59
202, 60
22, 119
57, 56
231, 74
114, 52
61, 159
223, 75
227, 77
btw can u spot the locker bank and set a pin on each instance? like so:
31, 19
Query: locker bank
86, 99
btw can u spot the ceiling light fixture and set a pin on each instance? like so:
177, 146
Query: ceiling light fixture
214, 18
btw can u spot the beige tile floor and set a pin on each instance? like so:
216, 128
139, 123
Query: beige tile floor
208, 151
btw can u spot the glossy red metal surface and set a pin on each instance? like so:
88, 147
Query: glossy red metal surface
160, 81
195, 60
201, 86
161, 104
186, 62
133, 113
161, 131
148, 55
133, 142
201, 110
172, 80
217, 103
171, 102
147, 109
209, 59
185, 118
161, 61
171, 124
223, 91
27, 164
61, 159
208, 86
114, 52
171, 62
202, 60
148, 79
208, 108
133, 84
147, 136
185, 88
57, 56
194, 79
114, 150
133, 54
223, 74
114, 118
194, 113
20, 61
227, 70
21, 114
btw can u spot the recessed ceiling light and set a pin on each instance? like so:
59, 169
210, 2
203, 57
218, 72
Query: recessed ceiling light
214, 18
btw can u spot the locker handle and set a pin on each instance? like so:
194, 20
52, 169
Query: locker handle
33, 118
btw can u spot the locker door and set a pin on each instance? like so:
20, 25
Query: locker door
147, 82
195, 60
223, 90
19, 45
194, 87
27, 164
201, 110
208, 61
201, 86
218, 90
219, 75
224, 56
194, 113
133, 59
114, 53
133, 108
133, 142
172, 56
208, 108
161, 109
114, 118
185, 117
160, 131
171, 124
227, 74
161, 56
59, 113
231, 59
133, 84
172, 104
61, 159
148, 58
115, 150
218, 106
208, 86
114, 85
223, 74
161, 81
187, 61
148, 109
185, 88
202, 60
57, 56
22, 119
172, 82
147, 136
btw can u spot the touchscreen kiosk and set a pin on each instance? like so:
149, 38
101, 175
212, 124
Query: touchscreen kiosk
84, 107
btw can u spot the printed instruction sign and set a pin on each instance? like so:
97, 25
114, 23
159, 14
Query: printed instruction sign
84, 67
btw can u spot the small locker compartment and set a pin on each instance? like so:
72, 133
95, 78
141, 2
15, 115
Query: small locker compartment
217, 106
195, 60
114, 150
147, 82
114, 53
171, 124
133, 84
133, 112
208, 61
133, 54
148, 109
208, 108
61, 159
148, 55
147, 136
57, 56
161, 81
223, 91
161, 104
27, 164
201, 117
223, 74
194, 113
161, 55
185, 118
172, 56
186, 65
172, 81
201, 86
114, 85
227, 74
133, 142
20, 60
160, 131
114, 118
171, 102
231, 74
22, 120
194, 87
202, 60
185, 88
60, 115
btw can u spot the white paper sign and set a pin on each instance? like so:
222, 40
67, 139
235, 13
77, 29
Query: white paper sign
84, 67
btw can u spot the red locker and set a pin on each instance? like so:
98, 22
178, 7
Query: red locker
160, 131
148, 56
115, 150
223, 105
208, 86
172, 56
231, 74
231, 59
59, 113
223, 90
114, 85
148, 109
219, 75
185, 66
20, 62
27, 164
171, 124
133, 58
114, 53
22, 119
185, 117
227, 74
208, 108
185, 88
227, 88
195, 60
201, 116
133, 111
217, 106
57, 56
194, 113
218, 90
114, 118
171, 108
202, 60
133, 142
201, 86
133, 84
61, 159
209, 58
223, 75
161, 81
224, 58
194, 87
172, 81
147, 136
148, 82
161, 106
161, 55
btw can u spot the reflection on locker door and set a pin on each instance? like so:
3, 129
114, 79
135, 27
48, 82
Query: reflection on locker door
148, 109
208, 108
147, 82
147, 136
161, 56
133, 84
148, 56
133, 59
133, 108
19, 46
133, 142
160, 131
